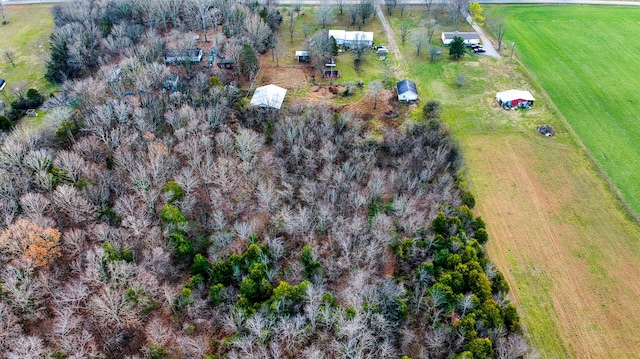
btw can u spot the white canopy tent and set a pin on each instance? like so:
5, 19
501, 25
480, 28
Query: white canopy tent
269, 96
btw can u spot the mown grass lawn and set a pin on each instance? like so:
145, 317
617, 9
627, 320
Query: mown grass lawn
26, 35
586, 58
370, 69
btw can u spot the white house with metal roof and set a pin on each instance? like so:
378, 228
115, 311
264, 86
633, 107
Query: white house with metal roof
351, 38
470, 38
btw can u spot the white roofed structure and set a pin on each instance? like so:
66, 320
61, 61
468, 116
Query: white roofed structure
350, 38
511, 95
269, 96
514, 97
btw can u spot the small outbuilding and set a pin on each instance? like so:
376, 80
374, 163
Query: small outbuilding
515, 98
470, 38
180, 55
224, 63
303, 56
407, 90
269, 96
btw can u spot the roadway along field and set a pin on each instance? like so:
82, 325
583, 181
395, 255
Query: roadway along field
587, 62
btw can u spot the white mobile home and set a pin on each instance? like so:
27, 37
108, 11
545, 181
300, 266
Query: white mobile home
470, 38
351, 38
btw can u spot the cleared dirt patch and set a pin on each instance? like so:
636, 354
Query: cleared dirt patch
286, 77
565, 245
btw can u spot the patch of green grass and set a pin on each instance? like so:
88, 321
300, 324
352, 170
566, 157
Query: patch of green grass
585, 59
27, 35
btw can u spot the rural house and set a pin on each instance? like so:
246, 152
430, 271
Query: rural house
407, 90
351, 38
177, 55
470, 38
514, 98
268, 96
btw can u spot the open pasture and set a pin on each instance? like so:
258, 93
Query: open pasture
586, 60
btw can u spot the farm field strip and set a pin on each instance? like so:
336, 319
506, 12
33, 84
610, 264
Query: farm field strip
591, 78
570, 265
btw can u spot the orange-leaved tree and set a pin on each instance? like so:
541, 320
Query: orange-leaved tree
25, 239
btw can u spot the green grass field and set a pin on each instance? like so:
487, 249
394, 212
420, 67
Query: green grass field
26, 35
586, 59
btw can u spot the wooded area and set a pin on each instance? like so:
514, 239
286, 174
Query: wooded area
182, 224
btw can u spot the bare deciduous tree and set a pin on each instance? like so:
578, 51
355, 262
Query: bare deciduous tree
405, 29
324, 14
390, 5
3, 14
499, 27
73, 203
375, 88
340, 4
365, 9
28, 347
431, 25
10, 56
418, 40
402, 5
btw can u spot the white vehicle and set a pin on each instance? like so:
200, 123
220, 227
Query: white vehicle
382, 50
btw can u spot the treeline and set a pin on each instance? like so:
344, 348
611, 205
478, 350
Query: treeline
188, 225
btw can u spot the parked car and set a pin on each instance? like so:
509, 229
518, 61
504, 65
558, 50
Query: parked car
3, 83
479, 50
382, 50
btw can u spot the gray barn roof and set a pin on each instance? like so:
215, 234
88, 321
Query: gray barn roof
406, 85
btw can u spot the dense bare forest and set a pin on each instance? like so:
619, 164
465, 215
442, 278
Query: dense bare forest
143, 222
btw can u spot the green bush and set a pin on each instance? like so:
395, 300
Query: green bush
155, 352
215, 295
480, 348
180, 245
201, 266
170, 214
5, 124
112, 254
173, 191
184, 299
311, 267
56, 354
